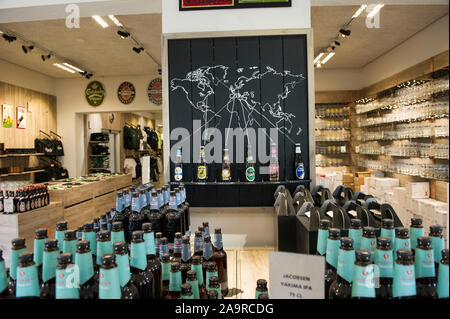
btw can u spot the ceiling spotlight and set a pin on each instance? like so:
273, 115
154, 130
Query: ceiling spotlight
337, 43
138, 50
344, 33
27, 49
45, 57
159, 71
9, 38
123, 34
86, 75
319, 65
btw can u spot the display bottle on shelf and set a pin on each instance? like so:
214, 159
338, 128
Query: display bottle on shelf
153, 263
128, 290
384, 260
88, 282
404, 283
165, 275
261, 288
331, 258
66, 287
60, 229
402, 240
197, 267
201, 171
211, 270
40, 235
117, 233
355, 232
250, 168
274, 164
178, 170
442, 286
387, 230
70, 242
299, 167
155, 216
17, 247
175, 281
342, 287
220, 258
226, 166
363, 283
322, 237
191, 278
213, 294
141, 277
186, 291
369, 241
425, 271
416, 230
109, 285
4, 293
49, 263
198, 244
104, 245
136, 218
27, 282
438, 243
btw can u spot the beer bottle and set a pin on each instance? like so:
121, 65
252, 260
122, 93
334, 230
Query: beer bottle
158, 237
263, 296
363, 284
49, 263
342, 287
274, 164
70, 242
197, 267
27, 283
402, 240
145, 211
96, 223
211, 271
191, 278
331, 258
104, 245
185, 257
128, 290
442, 286
207, 253
200, 229
4, 293
178, 171
66, 286
177, 244
416, 230
90, 235
322, 236
299, 167
187, 209
40, 235
140, 276
438, 243
182, 210
355, 232
165, 275
174, 281
250, 170
186, 291
163, 246
206, 228
198, 244
121, 215
172, 223
261, 288
226, 166
162, 205
387, 230
117, 233
17, 247
109, 286
424, 267
155, 216
88, 282
213, 294
103, 225
214, 284
79, 233
136, 218
384, 259
153, 263
202, 169
369, 241
61, 227
404, 284
127, 201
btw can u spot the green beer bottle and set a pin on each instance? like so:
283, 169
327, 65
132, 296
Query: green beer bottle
416, 230
17, 247
27, 282
70, 242
61, 228
331, 258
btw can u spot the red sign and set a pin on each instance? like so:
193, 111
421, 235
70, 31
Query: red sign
188, 4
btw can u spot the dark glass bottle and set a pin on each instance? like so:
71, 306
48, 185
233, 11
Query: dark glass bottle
155, 216
17, 247
191, 278
207, 253
214, 284
117, 233
122, 215
165, 275
27, 283
140, 276
186, 291
163, 246
177, 243
438, 243
384, 259
129, 291
212, 294
127, 202
40, 235
263, 296
261, 288
202, 230
425, 271
186, 257
402, 240
442, 286
331, 258
369, 241
158, 237
299, 167
416, 230
198, 244
342, 287
201, 171
104, 245
172, 220
178, 170
49, 263
197, 267
109, 285
88, 281
60, 229
363, 284
90, 236
274, 164
79, 233
211, 271
226, 166
187, 210
70, 242
205, 226
355, 232
387, 230
96, 223
4, 293
153, 263
404, 283
181, 211
175, 281
103, 225
66, 288
322, 237
136, 218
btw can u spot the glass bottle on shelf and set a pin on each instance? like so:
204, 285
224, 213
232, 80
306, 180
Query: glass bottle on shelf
274, 164
201, 168
178, 171
298, 162
250, 171
226, 166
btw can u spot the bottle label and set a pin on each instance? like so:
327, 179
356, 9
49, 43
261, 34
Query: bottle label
300, 171
218, 241
363, 285
109, 286
178, 173
3, 277
201, 172
119, 204
154, 204
225, 173
438, 244
163, 249
402, 244
346, 261
388, 233
27, 282
67, 283
22, 207
424, 263
49, 265
207, 251
414, 233
14, 262
177, 246
135, 204
103, 248
210, 274
257, 293
39, 245
117, 236
442, 286
250, 174
274, 170
199, 270
370, 244
332, 252
322, 238
356, 235
178, 198
195, 290
165, 271
85, 266
198, 244
143, 201
138, 257
90, 237
404, 283
149, 240
70, 246
175, 281
385, 263
123, 264
173, 203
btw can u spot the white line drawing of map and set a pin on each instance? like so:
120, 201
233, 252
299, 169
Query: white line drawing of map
208, 79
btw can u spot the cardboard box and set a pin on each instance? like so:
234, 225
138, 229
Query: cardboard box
367, 180
348, 178
418, 190
377, 174
364, 189
372, 182
386, 183
359, 181
362, 174
399, 195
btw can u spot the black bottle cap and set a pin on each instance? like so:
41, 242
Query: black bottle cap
116, 226
186, 240
137, 236
355, 223
178, 235
158, 235
25, 257
362, 255
175, 266
387, 223
334, 233
263, 296
108, 259
444, 254
103, 216
213, 280
163, 241
70, 235
192, 275
416, 222
65, 258
147, 228
201, 229
324, 224
261, 283
61, 226
383, 242
218, 231
120, 248
198, 233
103, 225
368, 231
51, 244
165, 258
96, 229
18, 243
212, 294
211, 266
40, 233
401, 232
207, 239
154, 193
88, 227
346, 243
436, 230
196, 260
80, 229
103, 235
172, 193
205, 224
404, 255
135, 195
424, 242
159, 190
119, 194
96, 220
83, 246
186, 288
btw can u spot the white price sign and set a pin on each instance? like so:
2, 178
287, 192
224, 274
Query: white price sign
296, 276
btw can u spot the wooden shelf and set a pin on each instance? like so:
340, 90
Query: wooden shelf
23, 173
21, 155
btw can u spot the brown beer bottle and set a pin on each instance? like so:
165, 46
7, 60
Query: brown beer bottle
220, 258
214, 284
165, 275
175, 281
197, 267
425, 272
213, 294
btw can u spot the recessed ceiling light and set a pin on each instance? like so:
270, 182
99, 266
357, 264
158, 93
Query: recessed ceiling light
115, 20
63, 67
100, 21
318, 57
375, 10
359, 11
329, 56
72, 67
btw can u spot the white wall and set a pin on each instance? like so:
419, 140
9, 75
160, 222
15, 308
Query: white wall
173, 20
338, 79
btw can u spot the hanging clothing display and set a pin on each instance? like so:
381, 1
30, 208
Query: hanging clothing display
132, 137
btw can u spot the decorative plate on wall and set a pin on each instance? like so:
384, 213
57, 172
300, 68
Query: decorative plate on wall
126, 93
154, 91
95, 93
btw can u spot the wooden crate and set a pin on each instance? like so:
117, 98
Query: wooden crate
104, 203
112, 184
79, 214
73, 195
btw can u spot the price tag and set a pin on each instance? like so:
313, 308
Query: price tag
296, 276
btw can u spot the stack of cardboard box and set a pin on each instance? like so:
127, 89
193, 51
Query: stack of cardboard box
380, 187
335, 179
